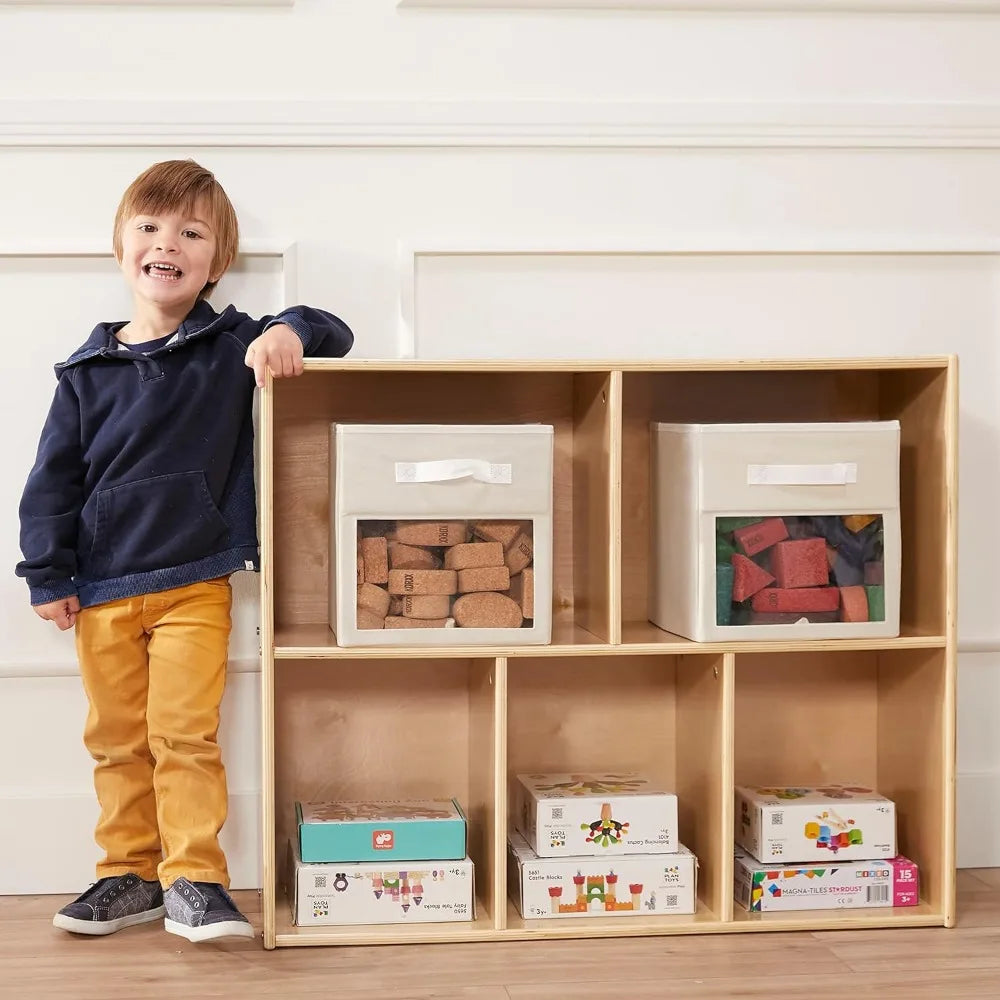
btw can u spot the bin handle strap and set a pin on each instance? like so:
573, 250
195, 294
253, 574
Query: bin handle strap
453, 468
834, 474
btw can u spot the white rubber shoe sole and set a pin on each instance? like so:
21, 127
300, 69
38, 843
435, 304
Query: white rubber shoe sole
210, 932
101, 927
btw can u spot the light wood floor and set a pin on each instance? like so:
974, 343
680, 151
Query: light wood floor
37, 962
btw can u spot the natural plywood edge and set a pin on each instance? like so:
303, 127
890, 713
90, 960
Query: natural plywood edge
660, 365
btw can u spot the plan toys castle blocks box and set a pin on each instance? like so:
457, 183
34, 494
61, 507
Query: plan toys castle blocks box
775, 531
815, 825
842, 885
441, 534
628, 885
383, 831
571, 815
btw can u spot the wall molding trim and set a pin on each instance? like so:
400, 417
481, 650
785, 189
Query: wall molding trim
146, 3
709, 124
411, 249
724, 6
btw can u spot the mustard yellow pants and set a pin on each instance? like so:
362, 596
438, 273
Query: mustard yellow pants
154, 670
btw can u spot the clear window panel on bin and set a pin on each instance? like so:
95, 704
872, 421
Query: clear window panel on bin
445, 574
799, 568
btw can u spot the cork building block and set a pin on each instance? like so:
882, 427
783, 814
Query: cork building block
431, 532
373, 599
522, 592
483, 578
755, 538
471, 555
519, 553
503, 532
375, 554
402, 556
368, 619
426, 606
394, 622
423, 581
486, 611
801, 563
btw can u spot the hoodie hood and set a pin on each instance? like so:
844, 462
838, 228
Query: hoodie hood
102, 342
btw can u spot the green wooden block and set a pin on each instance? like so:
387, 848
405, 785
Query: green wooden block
724, 550
723, 593
876, 603
854, 836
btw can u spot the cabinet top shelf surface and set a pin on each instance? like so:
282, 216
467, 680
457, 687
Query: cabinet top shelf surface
664, 365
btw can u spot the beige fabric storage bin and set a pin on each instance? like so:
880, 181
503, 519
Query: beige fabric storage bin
441, 534
775, 531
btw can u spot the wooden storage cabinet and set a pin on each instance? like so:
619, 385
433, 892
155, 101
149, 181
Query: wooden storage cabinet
611, 691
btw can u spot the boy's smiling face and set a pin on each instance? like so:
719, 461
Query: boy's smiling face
167, 258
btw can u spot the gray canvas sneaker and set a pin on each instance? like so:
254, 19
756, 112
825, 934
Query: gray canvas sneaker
203, 911
110, 904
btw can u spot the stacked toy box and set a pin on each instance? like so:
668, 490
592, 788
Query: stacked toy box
831, 847
380, 862
589, 845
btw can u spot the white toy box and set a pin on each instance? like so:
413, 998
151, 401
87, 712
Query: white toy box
630, 885
775, 531
570, 815
815, 825
441, 535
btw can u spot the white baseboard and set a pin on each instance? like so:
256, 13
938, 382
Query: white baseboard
48, 843
978, 820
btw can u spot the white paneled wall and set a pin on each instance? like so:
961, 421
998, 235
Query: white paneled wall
500, 183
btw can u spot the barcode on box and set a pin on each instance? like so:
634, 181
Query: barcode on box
777, 819
671, 901
320, 882
557, 812
878, 894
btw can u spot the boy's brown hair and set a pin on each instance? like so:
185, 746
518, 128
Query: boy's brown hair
177, 186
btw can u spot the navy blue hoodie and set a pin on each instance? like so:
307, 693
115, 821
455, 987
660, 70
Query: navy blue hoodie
144, 475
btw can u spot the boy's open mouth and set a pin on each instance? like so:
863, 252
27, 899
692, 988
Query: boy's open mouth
164, 272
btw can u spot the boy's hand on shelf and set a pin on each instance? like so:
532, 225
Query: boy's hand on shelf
279, 349
63, 612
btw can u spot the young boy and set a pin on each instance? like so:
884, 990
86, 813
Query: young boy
139, 506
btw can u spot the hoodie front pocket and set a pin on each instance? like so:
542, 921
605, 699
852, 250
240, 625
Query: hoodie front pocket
155, 524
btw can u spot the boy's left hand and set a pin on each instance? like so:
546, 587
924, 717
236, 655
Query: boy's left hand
279, 349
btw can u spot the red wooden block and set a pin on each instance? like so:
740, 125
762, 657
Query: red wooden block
755, 538
801, 563
748, 578
799, 599
853, 604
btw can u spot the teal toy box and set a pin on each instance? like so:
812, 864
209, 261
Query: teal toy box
387, 829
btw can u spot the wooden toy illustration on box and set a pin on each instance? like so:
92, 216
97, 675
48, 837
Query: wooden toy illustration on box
588, 784
595, 892
403, 887
347, 812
